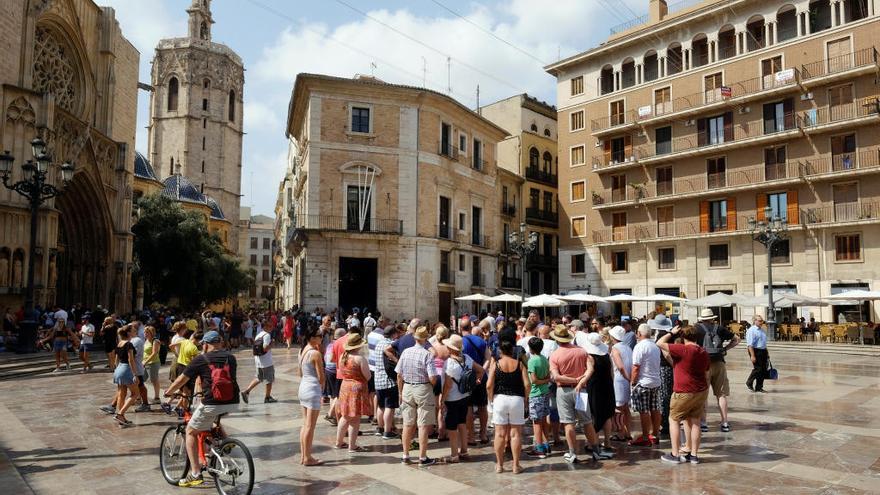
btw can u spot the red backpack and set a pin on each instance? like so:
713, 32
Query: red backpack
222, 387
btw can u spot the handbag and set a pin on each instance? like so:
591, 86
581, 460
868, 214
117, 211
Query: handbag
770, 373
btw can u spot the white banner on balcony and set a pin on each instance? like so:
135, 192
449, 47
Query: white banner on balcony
785, 76
644, 111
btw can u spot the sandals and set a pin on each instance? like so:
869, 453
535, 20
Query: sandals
340, 446
618, 438
452, 460
316, 462
517, 469
358, 449
122, 421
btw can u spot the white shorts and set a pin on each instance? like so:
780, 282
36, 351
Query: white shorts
509, 410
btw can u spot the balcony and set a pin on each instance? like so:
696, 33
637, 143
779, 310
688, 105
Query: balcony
826, 166
508, 209
840, 213
545, 217
511, 282
445, 275
475, 239
650, 231
449, 151
788, 80
329, 223
537, 175
543, 260
478, 280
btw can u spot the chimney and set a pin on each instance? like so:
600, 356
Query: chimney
658, 10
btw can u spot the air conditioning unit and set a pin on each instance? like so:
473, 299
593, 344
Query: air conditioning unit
689, 123
807, 96
744, 110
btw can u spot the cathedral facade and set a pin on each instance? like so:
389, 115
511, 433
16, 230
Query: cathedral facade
68, 76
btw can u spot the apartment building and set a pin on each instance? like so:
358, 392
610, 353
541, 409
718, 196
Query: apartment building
680, 129
394, 204
529, 152
256, 245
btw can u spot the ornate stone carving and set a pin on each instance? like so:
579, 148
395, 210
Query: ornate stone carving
4, 271
21, 110
55, 70
16, 273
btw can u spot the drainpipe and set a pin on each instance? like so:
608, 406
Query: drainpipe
418, 157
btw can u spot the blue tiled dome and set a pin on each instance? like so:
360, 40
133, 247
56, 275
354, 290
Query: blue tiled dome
143, 168
179, 188
216, 212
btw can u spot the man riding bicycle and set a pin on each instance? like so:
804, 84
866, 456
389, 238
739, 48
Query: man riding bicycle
216, 369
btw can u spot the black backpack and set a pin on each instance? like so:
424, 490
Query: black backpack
389, 366
259, 349
467, 382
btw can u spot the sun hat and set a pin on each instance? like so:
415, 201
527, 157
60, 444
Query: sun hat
211, 337
454, 342
617, 333
421, 333
561, 334
354, 341
705, 315
662, 322
595, 345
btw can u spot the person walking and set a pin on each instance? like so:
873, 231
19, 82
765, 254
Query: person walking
109, 330
690, 364
265, 367
354, 396
60, 336
86, 341
138, 341
756, 340
311, 371
621, 358
416, 375
124, 376
645, 380
151, 361
457, 401
717, 340
506, 385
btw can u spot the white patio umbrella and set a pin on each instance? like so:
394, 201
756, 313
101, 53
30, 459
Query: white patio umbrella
473, 297
543, 301
663, 298
582, 298
505, 298
622, 298
718, 299
856, 295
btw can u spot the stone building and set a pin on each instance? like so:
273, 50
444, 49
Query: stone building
683, 128
394, 202
285, 280
529, 152
257, 246
196, 115
69, 76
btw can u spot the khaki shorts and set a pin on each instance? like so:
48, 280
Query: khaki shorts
419, 407
205, 415
718, 379
684, 406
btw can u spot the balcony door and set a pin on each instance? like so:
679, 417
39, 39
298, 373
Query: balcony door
618, 226
840, 102
358, 208
839, 56
846, 202
443, 222
477, 224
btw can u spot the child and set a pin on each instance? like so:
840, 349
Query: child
539, 397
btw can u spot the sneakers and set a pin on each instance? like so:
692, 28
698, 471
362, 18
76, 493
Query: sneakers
538, 452
704, 427
390, 436
108, 409
67, 366
379, 432
269, 400
641, 442
157, 400
570, 457
166, 408
191, 480
427, 461
725, 427
142, 408
405, 460
244, 397
604, 454
56, 370
750, 387
692, 459
672, 459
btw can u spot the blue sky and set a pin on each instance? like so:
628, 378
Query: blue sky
278, 39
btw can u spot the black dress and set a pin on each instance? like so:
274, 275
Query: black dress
600, 388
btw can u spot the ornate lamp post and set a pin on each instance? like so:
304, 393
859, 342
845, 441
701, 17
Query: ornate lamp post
522, 245
35, 188
768, 232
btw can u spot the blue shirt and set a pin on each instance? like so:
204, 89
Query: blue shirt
756, 338
475, 347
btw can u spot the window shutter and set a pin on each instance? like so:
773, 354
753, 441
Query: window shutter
788, 111
836, 145
728, 126
704, 216
761, 202
731, 213
628, 146
606, 144
792, 207
701, 132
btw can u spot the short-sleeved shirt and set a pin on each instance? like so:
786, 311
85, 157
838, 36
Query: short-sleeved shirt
756, 338
373, 339
186, 351
550, 345
88, 333
138, 344
569, 360
453, 369
377, 355
265, 360
201, 367
689, 366
148, 349
540, 366
475, 347
338, 350
647, 356
404, 343
416, 365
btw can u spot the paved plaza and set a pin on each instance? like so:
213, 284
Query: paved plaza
816, 431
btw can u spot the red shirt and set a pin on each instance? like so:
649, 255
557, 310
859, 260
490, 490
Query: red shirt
569, 360
338, 350
689, 366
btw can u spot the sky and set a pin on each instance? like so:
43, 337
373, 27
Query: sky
499, 45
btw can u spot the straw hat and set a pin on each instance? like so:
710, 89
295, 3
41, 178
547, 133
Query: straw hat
561, 334
706, 314
355, 341
595, 345
454, 342
421, 333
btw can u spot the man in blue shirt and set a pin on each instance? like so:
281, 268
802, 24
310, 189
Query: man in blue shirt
756, 339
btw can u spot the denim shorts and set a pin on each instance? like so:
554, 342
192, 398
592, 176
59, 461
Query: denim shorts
123, 375
59, 345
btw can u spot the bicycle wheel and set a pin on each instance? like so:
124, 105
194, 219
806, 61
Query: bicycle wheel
172, 455
232, 468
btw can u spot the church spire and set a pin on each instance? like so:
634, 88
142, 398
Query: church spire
200, 19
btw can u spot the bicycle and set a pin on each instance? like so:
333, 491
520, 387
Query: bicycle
227, 460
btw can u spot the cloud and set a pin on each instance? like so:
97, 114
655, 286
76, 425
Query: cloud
260, 117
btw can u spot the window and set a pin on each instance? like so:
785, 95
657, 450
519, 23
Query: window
266, 243
848, 247
204, 123
443, 221
231, 106
769, 68
252, 290
578, 191
548, 245
547, 132
547, 161
461, 220
577, 120
357, 208
619, 261
578, 227
718, 215
712, 90
173, 88
663, 177
619, 148
265, 260
840, 102
839, 56
774, 163
716, 172
778, 204
617, 113
265, 275
203, 166
577, 156
445, 139
254, 243
618, 226
253, 260
618, 188
461, 266
533, 127
204, 104
534, 196
577, 85
665, 221
780, 254
778, 116
578, 263
203, 143
462, 143
662, 101
478, 154
666, 259
663, 140
445, 277
476, 226
534, 158
713, 132
718, 255
360, 120
843, 150
477, 276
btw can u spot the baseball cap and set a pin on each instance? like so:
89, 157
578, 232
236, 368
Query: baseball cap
211, 337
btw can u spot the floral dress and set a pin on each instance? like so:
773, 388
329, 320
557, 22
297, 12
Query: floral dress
354, 396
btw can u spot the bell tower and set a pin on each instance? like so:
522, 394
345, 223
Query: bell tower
200, 20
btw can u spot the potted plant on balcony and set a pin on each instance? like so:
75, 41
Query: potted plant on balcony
638, 189
597, 198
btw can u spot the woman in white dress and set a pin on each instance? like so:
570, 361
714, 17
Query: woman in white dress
621, 359
311, 369
249, 331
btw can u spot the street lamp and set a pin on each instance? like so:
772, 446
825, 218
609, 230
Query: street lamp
769, 232
36, 189
523, 245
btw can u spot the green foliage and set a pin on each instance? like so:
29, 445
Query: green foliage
178, 258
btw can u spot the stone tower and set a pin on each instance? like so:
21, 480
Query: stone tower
196, 113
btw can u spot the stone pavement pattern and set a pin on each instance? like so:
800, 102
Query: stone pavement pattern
817, 431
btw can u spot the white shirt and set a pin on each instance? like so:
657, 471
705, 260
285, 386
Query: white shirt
524, 343
453, 369
580, 339
265, 360
174, 341
369, 323
647, 355
354, 322
87, 332
550, 345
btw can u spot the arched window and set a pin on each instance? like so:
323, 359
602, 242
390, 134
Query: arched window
547, 132
534, 127
548, 162
231, 105
172, 94
533, 158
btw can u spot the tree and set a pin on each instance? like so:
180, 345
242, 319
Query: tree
178, 258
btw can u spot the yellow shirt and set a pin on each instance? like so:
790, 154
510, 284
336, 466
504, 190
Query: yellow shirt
186, 351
